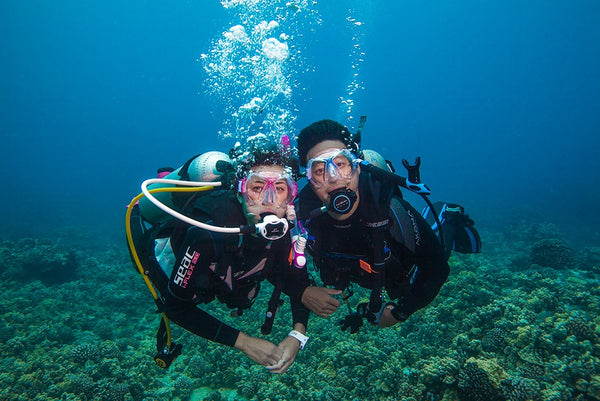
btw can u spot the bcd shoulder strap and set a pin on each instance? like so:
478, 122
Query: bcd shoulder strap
402, 229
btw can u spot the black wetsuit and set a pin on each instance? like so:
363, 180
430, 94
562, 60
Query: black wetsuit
210, 265
415, 267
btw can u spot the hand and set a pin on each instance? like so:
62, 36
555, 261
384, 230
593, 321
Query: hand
320, 300
387, 319
290, 347
352, 321
261, 351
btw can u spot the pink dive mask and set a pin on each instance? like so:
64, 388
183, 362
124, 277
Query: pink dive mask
268, 188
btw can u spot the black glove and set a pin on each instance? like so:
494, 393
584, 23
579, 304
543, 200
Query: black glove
352, 321
363, 310
355, 320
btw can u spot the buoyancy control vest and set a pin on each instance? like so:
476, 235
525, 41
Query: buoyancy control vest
354, 263
234, 265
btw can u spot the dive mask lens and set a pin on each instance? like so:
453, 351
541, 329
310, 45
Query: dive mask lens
268, 188
331, 166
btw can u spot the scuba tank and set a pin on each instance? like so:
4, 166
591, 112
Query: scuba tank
376, 159
206, 167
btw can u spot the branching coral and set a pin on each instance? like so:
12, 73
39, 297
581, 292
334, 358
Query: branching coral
491, 332
475, 385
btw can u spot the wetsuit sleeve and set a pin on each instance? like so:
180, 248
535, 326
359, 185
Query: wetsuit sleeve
429, 271
295, 281
294, 287
188, 282
195, 320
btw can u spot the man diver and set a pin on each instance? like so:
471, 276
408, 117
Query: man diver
190, 265
362, 231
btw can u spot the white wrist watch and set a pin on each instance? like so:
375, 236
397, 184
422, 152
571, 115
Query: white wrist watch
300, 337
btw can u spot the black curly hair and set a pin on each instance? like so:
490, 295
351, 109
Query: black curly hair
260, 150
324, 130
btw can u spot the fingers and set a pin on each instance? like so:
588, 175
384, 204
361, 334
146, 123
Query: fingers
276, 367
286, 366
329, 307
279, 371
280, 367
290, 348
270, 358
320, 300
275, 356
325, 312
331, 301
329, 304
261, 351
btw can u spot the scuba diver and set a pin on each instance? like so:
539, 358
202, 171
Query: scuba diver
221, 244
362, 231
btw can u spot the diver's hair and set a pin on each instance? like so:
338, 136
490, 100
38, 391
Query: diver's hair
322, 131
259, 150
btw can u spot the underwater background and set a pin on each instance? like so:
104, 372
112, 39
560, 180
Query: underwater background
500, 99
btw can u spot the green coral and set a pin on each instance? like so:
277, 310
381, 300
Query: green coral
520, 389
552, 253
85, 352
579, 328
474, 384
495, 339
492, 331
183, 386
35, 259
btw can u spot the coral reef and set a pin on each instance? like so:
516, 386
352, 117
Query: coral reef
512, 324
579, 328
85, 352
474, 384
33, 259
494, 340
552, 253
520, 389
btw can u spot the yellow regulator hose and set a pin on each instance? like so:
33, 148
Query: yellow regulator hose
132, 246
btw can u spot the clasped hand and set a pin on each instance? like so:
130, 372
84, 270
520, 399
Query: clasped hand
276, 358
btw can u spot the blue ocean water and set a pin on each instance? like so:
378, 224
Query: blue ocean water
499, 99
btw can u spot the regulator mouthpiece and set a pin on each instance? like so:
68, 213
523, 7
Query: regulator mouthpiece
272, 227
342, 201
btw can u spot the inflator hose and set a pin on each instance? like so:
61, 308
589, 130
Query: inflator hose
176, 214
